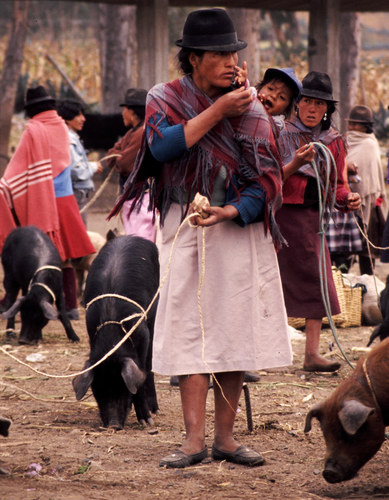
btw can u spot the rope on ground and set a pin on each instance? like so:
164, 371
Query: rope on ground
102, 187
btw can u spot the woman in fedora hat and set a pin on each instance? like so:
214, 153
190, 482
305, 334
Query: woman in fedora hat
217, 142
364, 154
299, 215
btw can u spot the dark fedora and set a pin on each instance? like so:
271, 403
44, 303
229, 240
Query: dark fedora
361, 114
286, 75
210, 29
36, 95
135, 97
317, 85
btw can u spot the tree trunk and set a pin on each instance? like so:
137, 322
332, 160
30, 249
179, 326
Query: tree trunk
247, 22
117, 36
10, 75
350, 48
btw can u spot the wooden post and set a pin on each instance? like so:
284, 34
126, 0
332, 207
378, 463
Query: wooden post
153, 42
323, 41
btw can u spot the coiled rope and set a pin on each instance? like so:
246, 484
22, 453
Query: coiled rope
324, 200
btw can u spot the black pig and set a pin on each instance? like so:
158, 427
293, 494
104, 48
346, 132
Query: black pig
32, 264
127, 267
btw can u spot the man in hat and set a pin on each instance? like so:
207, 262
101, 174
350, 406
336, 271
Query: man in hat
364, 158
36, 188
141, 222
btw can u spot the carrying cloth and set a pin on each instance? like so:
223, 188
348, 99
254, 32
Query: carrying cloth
245, 324
27, 185
243, 145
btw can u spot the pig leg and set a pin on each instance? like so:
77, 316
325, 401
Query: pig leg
11, 293
63, 317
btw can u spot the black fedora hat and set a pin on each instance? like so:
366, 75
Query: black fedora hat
361, 114
210, 29
135, 97
36, 95
317, 85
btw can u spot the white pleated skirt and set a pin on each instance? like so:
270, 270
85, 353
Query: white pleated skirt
242, 305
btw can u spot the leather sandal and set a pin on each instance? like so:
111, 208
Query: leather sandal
180, 459
325, 367
242, 456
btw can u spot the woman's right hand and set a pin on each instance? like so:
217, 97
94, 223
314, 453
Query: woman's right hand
234, 103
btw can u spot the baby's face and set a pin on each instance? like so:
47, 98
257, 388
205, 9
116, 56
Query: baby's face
276, 97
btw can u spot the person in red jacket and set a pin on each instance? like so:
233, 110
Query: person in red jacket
298, 217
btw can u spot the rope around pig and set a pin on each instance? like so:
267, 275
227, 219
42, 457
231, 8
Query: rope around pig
143, 315
128, 334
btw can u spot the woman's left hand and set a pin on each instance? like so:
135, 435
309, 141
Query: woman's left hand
216, 215
353, 201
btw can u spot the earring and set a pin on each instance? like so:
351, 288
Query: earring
325, 117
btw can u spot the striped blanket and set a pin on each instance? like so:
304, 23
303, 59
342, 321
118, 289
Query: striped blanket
27, 194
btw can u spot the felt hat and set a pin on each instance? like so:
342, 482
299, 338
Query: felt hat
36, 95
210, 29
361, 114
135, 97
317, 85
284, 74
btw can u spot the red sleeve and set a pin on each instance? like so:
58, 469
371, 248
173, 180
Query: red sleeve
338, 150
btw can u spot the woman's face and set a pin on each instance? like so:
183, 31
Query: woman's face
276, 96
76, 123
311, 111
213, 70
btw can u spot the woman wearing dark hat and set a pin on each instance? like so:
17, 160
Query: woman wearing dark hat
37, 189
299, 215
363, 154
219, 143
141, 221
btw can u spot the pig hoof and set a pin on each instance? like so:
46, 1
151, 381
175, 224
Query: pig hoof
25, 341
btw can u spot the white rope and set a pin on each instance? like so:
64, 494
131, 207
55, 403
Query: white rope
128, 334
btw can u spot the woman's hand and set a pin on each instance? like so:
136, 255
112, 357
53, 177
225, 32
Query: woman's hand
353, 201
216, 215
234, 103
302, 156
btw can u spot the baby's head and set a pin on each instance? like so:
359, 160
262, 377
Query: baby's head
278, 90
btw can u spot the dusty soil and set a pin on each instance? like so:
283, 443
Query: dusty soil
78, 459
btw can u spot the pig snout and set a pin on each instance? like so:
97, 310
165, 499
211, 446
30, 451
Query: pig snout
334, 473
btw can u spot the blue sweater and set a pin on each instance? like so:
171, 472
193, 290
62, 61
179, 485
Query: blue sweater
172, 144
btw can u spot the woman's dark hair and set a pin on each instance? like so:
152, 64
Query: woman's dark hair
140, 111
183, 59
69, 108
286, 81
39, 107
326, 121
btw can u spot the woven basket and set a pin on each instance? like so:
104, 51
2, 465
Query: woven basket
350, 302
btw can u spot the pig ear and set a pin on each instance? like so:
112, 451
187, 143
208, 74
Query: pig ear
81, 383
353, 415
48, 310
316, 411
132, 375
15, 308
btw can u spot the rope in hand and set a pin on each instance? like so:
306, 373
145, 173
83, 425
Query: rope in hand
323, 201
102, 187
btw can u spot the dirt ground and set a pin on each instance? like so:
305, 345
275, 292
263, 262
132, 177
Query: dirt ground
57, 450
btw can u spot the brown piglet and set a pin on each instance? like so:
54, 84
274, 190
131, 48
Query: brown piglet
354, 417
